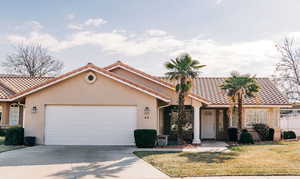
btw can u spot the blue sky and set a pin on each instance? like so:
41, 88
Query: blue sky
225, 35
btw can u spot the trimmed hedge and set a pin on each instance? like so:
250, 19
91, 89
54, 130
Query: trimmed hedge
232, 134
29, 140
289, 135
145, 138
14, 136
271, 134
246, 137
2, 132
262, 130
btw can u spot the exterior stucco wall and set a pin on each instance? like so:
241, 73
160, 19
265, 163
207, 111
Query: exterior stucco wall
273, 116
76, 91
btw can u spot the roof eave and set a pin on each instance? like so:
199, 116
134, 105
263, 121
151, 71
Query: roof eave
81, 70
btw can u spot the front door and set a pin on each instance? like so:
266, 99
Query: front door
208, 124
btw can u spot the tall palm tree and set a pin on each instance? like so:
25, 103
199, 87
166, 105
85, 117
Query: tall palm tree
238, 87
183, 69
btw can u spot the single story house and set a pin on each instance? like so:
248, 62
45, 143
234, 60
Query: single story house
103, 106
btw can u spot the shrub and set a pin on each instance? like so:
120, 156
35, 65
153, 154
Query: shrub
233, 134
145, 138
14, 136
246, 137
289, 135
271, 134
2, 132
29, 140
262, 130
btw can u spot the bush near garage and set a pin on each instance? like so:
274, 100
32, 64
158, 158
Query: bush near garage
264, 131
232, 134
2, 132
246, 137
271, 134
145, 138
289, 135
29, 141
14, 136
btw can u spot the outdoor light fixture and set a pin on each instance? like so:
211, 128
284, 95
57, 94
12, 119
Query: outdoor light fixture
34, 109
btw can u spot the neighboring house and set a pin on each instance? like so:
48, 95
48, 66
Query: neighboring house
290, 118
103, 106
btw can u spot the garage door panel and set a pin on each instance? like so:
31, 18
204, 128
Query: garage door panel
90, 125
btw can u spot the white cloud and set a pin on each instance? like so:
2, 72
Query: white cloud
36, 25
111, 42
75, 26
95, 22
156, 32
30, 26
88, 23
218, 2
70, 16
255, 57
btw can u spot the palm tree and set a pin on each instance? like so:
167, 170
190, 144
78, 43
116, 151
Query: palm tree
238, 87
183, 69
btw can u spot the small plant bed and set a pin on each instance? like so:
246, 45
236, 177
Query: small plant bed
4, 148
185, 146
273, 158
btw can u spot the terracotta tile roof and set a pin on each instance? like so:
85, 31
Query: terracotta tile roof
13, 84
119, 63
51, 81
153, 78
209, 89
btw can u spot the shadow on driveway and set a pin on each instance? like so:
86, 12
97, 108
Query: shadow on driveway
71, 161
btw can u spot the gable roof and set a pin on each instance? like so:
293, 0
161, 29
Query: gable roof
13, 84
209, 87
87, 67
154, 79
205, 89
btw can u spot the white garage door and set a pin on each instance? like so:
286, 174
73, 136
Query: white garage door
90, 125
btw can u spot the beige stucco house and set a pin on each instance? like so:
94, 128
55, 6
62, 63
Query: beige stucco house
103, 106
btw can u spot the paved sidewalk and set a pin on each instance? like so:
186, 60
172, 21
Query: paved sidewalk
206, 146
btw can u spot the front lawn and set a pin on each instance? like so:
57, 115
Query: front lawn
4, 148
268, 159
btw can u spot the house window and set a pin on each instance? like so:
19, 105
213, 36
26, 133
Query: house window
255, 116
14, 111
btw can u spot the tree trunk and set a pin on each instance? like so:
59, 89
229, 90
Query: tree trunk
240, 110
181, 114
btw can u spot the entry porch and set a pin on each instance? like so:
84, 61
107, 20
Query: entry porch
201, 123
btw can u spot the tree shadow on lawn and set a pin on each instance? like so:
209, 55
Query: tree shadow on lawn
209, 157
203, 157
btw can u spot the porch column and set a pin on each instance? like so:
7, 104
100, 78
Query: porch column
196, 139
5, 114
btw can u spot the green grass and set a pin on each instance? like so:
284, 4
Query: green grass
4, 148
264, 159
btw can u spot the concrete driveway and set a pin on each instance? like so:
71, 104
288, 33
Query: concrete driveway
75, 162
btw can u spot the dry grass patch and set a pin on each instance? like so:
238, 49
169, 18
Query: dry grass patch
264, 159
